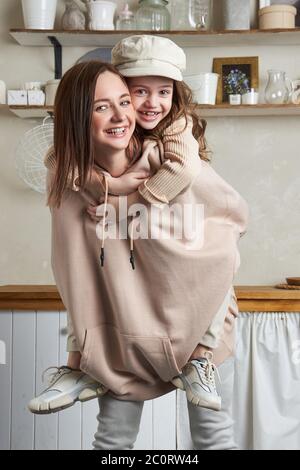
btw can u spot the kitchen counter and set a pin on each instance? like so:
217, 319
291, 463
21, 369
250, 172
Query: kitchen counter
250, 298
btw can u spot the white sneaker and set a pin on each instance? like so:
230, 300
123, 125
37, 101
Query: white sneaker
198, 380
66, 386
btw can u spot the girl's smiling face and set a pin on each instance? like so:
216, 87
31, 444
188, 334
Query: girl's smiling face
152, 99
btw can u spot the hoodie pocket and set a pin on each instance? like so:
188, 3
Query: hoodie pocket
149, 355
107, 354
101, 354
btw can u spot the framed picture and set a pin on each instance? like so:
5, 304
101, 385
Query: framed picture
236, 75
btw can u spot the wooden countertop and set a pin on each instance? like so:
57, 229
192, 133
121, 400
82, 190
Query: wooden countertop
250, 298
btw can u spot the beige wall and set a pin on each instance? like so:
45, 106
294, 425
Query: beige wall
259, 156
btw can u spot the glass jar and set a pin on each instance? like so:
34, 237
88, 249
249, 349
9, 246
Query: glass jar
201, 14
126, 21
153, 15
191, 14
181, 19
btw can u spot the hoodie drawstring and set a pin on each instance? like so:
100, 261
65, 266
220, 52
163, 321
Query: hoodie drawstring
131, 259
103, 222
131, 244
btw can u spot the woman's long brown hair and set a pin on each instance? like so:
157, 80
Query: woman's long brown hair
73, 143
183, 106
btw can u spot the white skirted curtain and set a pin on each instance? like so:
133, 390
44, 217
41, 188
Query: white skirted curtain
266, 391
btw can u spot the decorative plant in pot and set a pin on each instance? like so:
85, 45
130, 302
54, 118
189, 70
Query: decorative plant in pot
236, 83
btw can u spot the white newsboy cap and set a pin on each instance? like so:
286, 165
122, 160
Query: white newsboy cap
142, 55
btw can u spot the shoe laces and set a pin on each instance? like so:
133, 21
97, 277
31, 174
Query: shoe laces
53, 376
208, 369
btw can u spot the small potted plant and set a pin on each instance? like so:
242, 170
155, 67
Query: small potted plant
236, 84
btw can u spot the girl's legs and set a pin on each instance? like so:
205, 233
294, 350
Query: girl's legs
213, 430
118, 423
74, 359
74, 355
212, 336
210, 340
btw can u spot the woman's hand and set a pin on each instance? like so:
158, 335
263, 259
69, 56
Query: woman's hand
96, 212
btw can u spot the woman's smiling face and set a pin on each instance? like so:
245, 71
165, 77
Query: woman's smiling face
152, 99
113, 120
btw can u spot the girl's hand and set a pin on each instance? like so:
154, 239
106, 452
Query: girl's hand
127, 183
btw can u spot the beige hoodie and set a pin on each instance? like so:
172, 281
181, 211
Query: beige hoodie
137, 328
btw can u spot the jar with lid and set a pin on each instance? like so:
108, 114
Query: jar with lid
126, 20
153, 15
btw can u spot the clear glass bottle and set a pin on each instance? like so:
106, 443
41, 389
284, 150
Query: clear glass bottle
126, 20
191, 14
153, 15
181, 15
201, 14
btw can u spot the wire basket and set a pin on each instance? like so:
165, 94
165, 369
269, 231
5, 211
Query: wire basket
30, 153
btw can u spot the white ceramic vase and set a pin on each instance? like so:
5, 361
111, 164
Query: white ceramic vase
101, 15
39, 14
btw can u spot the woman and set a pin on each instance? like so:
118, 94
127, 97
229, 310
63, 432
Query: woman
123, 326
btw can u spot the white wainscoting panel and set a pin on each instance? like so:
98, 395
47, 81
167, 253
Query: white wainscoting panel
34, 341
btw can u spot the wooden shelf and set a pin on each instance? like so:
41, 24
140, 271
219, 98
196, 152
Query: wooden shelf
237, 38
205, 111
25, 112
263, 109
250, 298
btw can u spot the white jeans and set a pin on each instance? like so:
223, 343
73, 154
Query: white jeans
119, 420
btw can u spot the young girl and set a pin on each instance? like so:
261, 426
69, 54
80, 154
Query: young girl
162, 103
